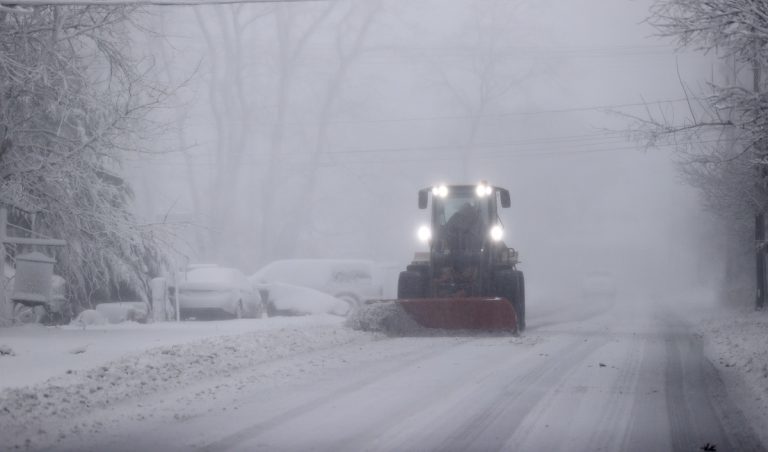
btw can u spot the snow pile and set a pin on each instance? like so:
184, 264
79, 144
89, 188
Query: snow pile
124, 311
386, 317
90, 317
735, 343
737, 340
78, 392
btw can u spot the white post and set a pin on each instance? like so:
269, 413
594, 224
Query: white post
159, 293
176, 294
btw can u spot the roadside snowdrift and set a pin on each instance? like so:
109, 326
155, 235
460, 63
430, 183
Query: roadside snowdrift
153, 370
388, 318
735, 341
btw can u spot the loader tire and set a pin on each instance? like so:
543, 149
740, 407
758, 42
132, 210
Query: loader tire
410, 285
520, 307
508, 285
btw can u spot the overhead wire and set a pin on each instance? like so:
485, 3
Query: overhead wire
604, 107
332, 158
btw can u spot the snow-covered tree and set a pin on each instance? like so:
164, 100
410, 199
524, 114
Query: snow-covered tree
723, 138
73, 101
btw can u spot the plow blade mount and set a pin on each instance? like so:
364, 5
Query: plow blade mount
486, 314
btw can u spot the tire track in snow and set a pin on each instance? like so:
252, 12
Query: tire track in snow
422, 421
491, 428
692, 386
611, 429
563, 420
248, 434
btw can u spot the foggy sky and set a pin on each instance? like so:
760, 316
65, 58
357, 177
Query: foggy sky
583, 197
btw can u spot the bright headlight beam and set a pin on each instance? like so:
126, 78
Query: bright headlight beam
497, 233
424, 233
483, 189
440, 190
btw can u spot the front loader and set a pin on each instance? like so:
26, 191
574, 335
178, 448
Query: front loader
468, 280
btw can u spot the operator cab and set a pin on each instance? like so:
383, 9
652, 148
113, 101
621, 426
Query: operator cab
464, 217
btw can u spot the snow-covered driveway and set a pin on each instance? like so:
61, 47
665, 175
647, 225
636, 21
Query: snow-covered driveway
609, 377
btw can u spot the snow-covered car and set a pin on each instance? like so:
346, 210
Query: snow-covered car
124, 311
212, 291
119, 303
350, 280
287, 299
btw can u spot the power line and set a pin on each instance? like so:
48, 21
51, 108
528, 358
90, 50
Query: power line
508, 155
143, 2
580, 140
333, 160
493, 115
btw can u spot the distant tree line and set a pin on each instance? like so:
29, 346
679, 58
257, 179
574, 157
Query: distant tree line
73, 102
722, 141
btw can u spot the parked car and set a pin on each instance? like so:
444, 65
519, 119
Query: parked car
118, 302
210, 291
290, 300
350, 280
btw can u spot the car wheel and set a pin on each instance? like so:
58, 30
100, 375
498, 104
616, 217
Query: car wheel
27, 314
271, 309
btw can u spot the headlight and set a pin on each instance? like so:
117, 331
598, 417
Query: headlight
425, 233
440, 190
483, 189
497, 232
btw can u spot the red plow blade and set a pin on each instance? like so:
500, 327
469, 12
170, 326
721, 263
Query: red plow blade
486, 314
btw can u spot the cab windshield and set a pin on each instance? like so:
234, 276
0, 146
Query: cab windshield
446, 208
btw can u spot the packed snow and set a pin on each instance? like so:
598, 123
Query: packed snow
385, 317
55, 378
63, 372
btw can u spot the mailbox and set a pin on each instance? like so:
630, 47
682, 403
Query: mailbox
32, 283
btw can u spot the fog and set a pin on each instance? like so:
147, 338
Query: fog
306, 129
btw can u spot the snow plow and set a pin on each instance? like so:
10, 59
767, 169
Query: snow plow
468, 280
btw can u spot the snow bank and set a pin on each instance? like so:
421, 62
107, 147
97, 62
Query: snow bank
90, 317
387, 317
43, 352
77, 392
737, 340
735, 343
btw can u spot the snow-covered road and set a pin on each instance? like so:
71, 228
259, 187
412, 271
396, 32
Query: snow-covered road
609, 377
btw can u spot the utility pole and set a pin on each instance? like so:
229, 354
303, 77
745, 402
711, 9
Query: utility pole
760, 259
760, 213
5, 306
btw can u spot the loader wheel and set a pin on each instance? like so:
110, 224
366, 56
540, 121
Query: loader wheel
508, 286
410, 285
520, 307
